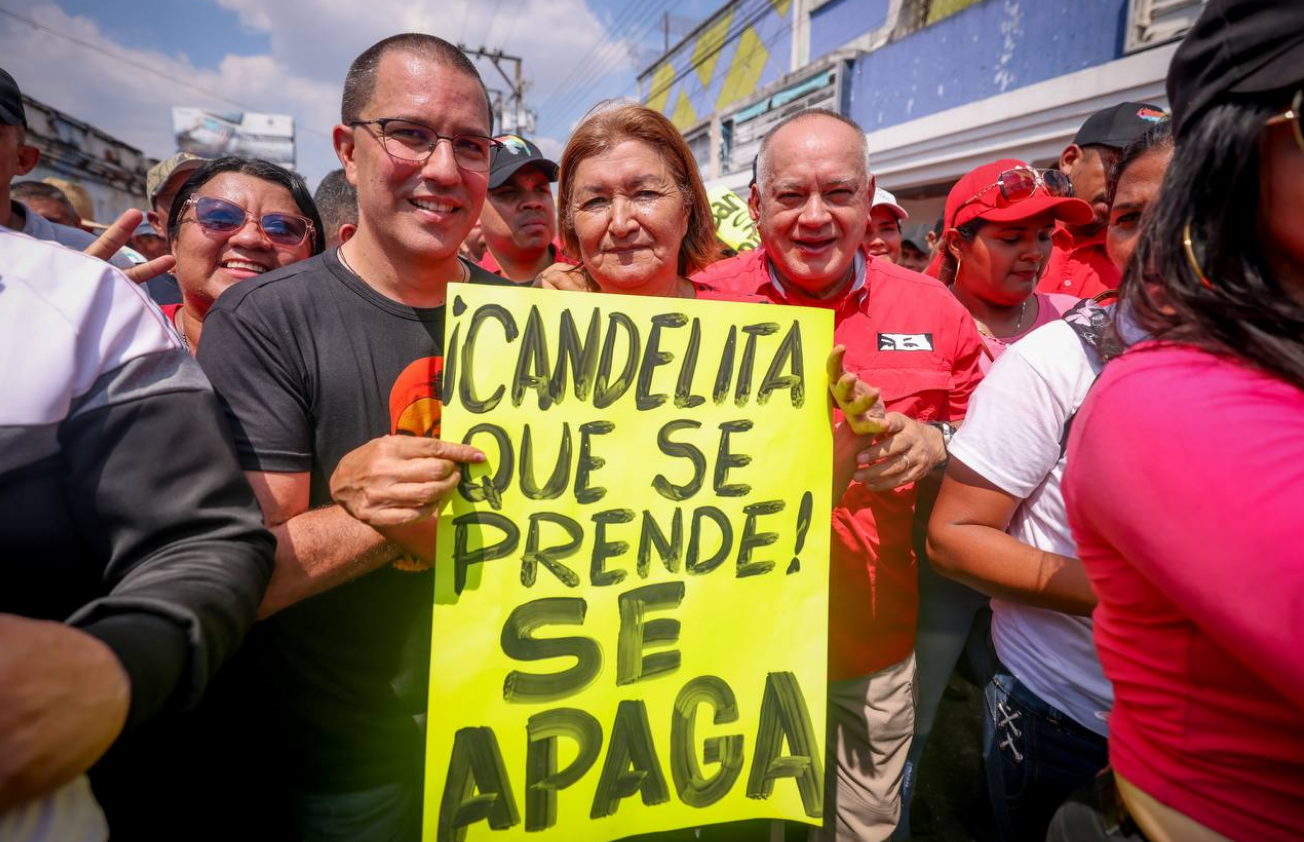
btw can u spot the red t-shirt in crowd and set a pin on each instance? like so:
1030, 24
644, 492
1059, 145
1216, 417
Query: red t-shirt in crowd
1185, 491
489, 263
906, 335
1079, 267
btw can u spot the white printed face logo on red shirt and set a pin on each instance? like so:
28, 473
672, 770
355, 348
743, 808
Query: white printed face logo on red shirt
905, 342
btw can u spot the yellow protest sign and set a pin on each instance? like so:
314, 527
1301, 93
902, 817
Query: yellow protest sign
733, 223
630, 622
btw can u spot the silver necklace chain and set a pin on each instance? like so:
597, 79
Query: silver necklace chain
461, 266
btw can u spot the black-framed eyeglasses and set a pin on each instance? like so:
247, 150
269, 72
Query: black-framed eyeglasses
222, 217
1292, 116
415, 143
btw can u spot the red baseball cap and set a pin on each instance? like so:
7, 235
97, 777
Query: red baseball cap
977, 196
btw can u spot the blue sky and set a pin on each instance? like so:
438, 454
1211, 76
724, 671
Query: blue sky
288, 56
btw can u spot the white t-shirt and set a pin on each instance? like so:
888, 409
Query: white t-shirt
1011, 436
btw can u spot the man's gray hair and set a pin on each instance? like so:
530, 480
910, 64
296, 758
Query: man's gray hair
763, 158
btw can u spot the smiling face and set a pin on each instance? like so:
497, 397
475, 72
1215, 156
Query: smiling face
1138, 186
520, 218
883, 235
417, 211
812, 203
630, 219
209, 262
1005, 260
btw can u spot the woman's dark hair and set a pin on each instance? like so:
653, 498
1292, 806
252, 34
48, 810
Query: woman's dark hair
1156, 138
968, 232
255, 168
1212, 185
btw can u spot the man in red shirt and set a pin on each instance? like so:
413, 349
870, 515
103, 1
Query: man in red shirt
519, 220
909, 339
1078, 263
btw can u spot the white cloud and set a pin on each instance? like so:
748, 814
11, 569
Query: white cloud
311, 45
551, 147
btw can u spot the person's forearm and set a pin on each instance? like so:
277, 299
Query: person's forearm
319, 550
416, 539
994, 563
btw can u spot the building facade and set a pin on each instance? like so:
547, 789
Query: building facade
939, 86
112, 172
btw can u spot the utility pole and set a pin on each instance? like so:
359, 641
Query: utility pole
512, 116
665, 28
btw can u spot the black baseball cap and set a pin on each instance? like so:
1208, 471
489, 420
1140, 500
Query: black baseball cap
1237, 47
1119, 125
515, 153
11, 101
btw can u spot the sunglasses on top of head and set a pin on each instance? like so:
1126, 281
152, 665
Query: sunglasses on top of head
222, 217
1021, 183
1292, 116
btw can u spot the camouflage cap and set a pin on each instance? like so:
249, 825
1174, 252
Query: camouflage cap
180, 164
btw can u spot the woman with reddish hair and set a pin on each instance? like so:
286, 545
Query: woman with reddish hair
633, 209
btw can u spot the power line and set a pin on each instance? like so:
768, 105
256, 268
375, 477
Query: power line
139, 65
748, 63
576, 90
624, 17
757, 11
760, 11
493, 18
516, 18
466, 15
638, 30
568, 94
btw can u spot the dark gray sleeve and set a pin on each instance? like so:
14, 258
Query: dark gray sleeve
154, 486
260, 389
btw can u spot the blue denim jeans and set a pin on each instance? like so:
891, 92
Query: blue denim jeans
1035, 756
947, 610
389, 813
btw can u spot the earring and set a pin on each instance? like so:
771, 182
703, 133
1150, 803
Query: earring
1190, 256
959, 261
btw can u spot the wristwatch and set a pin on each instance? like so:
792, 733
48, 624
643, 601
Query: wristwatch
946, 430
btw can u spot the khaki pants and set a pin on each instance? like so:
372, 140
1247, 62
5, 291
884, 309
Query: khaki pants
870, 723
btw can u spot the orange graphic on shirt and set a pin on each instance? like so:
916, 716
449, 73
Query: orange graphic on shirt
415, 410
414, 407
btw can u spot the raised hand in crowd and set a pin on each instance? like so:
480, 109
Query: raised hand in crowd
118, 235
63, 701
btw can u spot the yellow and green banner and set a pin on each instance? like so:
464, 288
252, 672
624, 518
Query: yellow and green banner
733, 223
630, 627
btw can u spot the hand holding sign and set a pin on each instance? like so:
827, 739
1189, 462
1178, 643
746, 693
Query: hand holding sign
394, 481
906, 452
858, 400
902, 451
566, 277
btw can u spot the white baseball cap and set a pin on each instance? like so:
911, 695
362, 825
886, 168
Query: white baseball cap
884, 199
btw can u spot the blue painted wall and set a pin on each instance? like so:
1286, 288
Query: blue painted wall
987, 49
836, 23
746, 45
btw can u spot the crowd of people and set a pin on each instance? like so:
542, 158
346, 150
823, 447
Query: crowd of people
1068, 450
